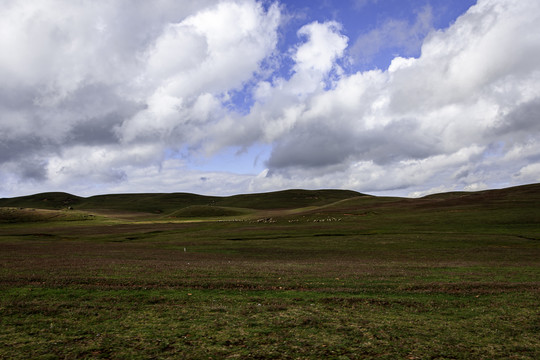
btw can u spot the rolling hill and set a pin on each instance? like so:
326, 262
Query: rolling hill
501, 207
176, 205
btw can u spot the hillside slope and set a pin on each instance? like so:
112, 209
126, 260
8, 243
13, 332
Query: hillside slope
498, 210
48, 200
160, 203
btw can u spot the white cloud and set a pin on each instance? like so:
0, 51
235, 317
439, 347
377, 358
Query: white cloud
325, 44
424, 112
65, 64
111, 95
529, 174
434, 190
196, 61
107, 78
475, 187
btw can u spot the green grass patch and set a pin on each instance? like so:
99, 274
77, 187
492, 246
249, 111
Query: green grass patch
197, 324
455, 276
206, 211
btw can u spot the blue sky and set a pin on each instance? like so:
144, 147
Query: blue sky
360, 17
222, 97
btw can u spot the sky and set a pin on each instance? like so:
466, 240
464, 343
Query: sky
222, 97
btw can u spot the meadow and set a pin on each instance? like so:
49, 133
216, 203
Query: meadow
296, 274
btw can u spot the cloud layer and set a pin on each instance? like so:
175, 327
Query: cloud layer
109, 97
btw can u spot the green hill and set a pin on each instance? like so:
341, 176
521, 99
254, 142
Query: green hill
207, 211
28, 215
49, 200
287, 199
501, 209
148, 203
160, 203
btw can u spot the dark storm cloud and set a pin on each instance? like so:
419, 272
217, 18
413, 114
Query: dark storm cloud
311, 148
87, 117
95, 131
16, 98
17, 149
397, 141
32, 169
101, 111
321, 146
524, 119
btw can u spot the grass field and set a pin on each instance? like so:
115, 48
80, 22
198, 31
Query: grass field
287, 275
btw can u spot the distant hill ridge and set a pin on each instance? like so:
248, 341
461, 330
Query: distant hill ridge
194, 205
170, 202
515, 205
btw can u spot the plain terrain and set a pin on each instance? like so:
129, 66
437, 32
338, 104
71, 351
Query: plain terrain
287, 275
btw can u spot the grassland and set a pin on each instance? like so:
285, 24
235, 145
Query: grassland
288, 275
